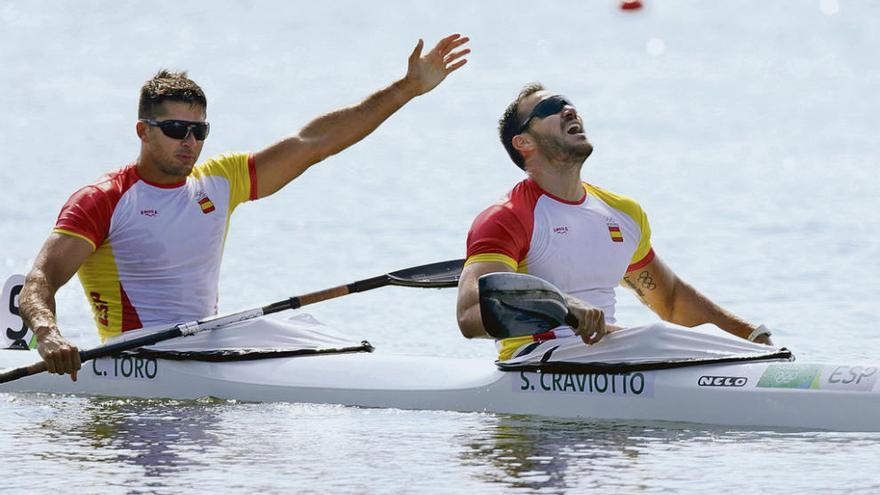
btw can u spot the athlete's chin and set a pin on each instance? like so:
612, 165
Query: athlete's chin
587, 150
581, 150
187, 162
179, 169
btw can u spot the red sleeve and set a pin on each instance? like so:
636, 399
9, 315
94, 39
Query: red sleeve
497, 230
506, 228
252, 173
88, 211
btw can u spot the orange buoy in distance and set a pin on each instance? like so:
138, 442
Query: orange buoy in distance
630, 5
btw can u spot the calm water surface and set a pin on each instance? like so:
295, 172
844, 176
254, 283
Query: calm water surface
747, 131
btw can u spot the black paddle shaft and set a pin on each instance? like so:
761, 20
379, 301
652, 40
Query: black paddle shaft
439, 275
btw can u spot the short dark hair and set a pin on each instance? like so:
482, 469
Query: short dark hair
508, 125
168, 86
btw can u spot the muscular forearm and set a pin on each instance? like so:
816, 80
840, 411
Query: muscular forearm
37, 302
688, 307
676, 301
59, 259
333, 132
470, 322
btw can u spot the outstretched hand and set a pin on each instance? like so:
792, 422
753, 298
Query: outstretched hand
426, 72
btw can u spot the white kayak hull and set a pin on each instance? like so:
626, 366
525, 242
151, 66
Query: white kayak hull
752, 394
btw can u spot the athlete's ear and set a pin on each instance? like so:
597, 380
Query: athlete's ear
141, 129
523, 143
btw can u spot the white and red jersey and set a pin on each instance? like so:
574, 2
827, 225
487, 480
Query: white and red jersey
583, 248
157, 247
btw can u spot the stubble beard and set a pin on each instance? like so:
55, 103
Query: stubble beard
170, 165
562, 154
174, 169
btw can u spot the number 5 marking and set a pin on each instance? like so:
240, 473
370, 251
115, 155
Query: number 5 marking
11, 318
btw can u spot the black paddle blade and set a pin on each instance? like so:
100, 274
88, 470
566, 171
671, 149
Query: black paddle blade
431, 276
516, 304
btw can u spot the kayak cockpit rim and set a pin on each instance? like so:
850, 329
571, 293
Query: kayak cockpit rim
783, 354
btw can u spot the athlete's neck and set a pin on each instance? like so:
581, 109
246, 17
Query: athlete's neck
562, 183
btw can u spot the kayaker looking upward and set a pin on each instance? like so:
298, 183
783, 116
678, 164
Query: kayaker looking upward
581, 238
147, 239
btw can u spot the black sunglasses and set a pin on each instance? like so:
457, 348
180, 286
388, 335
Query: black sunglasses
180, 129
545, 108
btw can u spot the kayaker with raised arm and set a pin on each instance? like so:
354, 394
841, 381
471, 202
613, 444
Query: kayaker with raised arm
147, 239
583, 239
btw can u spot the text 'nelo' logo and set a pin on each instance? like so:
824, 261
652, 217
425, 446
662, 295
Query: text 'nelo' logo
722, 381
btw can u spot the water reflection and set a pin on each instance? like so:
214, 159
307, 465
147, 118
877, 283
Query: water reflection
170, 446
554, 456
537, 453
150, 440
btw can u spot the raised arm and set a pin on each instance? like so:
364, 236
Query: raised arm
60, 257
676, 301
331, 133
